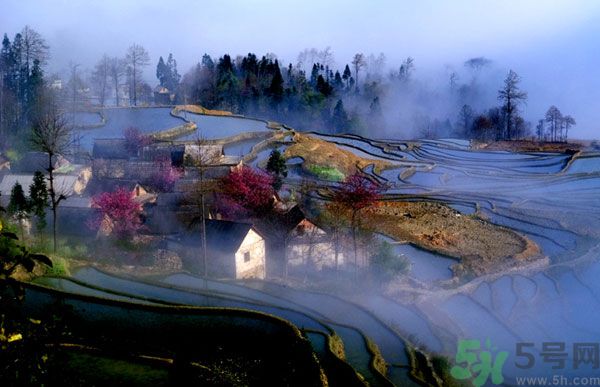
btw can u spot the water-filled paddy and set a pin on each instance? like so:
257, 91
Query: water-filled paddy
147, 120
533, 194
213, 127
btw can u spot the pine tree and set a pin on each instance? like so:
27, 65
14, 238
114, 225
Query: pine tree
174, 77
161, 72
18, 207
38, 199
340, 117
347, 75
276, 87
276, 166
314, 74
324, 87
338, 83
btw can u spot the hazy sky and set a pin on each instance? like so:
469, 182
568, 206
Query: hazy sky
553, 44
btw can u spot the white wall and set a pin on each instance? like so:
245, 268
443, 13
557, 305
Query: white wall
255, 268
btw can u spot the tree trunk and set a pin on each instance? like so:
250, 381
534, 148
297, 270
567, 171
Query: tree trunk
285, 260
53, 200
117, 90
54, 227
336, 247
134, 86
204, 255
354, 243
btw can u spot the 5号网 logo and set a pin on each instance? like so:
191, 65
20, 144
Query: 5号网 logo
478, 364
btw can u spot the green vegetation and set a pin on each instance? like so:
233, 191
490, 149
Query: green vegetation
276, 167
60, 267
13, 155
65, 169
387, 264
103, 370
441, 366
326, 173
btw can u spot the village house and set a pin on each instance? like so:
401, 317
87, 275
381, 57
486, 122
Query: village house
67, 185
234, 249
162, 96
291, 236
4, 164
37, 161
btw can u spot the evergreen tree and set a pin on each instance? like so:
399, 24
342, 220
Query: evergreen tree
277, 167
35, 90
375, 108
174, 77
347, 75
18, 202
340, 117
314, 74
207, 62
324, 87
338, 83
38, 199
161, 72
276, 87
18, 207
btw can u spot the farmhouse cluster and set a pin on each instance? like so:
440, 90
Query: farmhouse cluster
243, 247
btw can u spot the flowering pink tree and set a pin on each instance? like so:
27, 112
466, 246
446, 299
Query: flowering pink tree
119, 212
354, 194
165, 175
135, 140
246, 191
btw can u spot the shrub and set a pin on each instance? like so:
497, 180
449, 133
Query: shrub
60, 267
387, 264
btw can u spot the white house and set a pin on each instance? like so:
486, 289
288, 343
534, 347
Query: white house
66, 185
234, 250
310, 246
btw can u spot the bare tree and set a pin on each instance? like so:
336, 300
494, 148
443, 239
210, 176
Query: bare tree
465, 120
76, 85
375, 65
540, 129
308, 57
453, 81
511, 96
568, 121
554, 118
335, 220
202, 160
477, 64
34, 47
52, 135
137, 58
116, 69
406, 69
358, 62
100, 78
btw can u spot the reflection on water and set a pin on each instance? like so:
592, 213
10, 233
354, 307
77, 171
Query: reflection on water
539, 195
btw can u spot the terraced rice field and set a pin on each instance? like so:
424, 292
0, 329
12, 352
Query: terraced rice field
550, 198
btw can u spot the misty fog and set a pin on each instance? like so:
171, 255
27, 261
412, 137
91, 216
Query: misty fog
551, 46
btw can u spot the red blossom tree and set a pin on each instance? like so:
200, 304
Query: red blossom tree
135, 140
165, 175
121, 210
246, 192
354, 194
